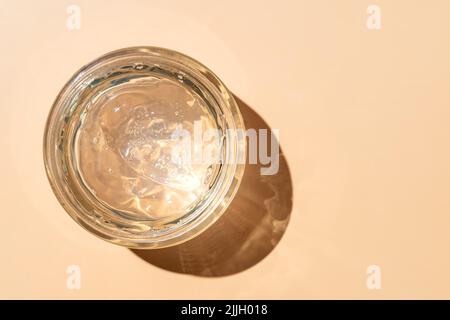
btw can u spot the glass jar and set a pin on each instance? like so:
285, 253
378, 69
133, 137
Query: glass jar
115, 163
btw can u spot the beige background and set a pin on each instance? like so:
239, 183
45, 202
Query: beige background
364, 124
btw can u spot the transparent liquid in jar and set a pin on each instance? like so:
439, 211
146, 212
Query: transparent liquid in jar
124, 148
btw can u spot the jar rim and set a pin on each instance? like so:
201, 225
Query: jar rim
223, 192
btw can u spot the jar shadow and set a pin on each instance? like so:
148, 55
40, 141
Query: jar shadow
249, 229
